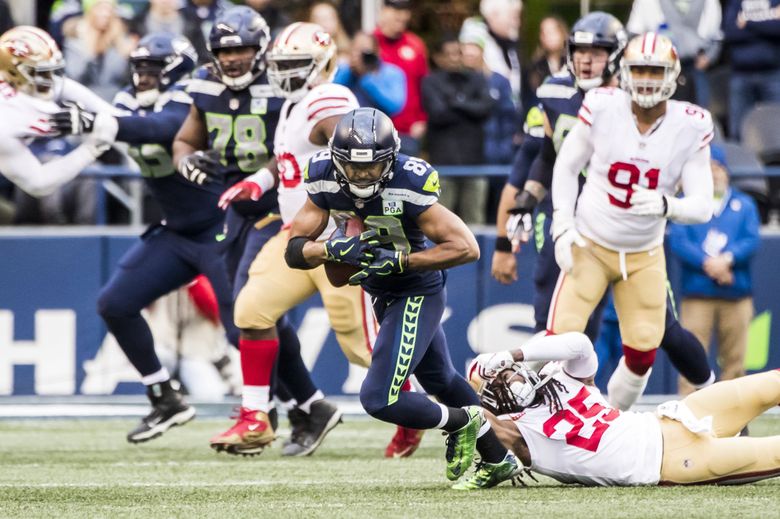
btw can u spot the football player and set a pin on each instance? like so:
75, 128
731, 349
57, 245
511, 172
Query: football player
545, 408
226, 137
363, 174
174, 251
594, 48
638, 145
30, 87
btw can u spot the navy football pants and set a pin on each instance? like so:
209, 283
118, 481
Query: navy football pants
411, 341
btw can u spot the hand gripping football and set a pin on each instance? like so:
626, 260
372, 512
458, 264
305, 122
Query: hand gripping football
339, 273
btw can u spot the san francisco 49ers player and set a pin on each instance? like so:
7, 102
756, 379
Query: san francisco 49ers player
638, 146
301, 65
30, 87
546, 409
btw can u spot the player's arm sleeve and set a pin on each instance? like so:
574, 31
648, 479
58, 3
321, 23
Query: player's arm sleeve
696, 205
524, 157
573, 349
387, 87
687, 250
541, 169
156, 127
744, 247
74, 91
573, 156
21, 167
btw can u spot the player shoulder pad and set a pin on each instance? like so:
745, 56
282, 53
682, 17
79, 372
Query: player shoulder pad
125, 100
318, 174
596, 100
327, 100
205, 82
176, 94
414, 181
700, 121
534, 122
558, 86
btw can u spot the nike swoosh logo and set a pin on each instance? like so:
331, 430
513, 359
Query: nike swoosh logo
345, 251
253, 426
220, 237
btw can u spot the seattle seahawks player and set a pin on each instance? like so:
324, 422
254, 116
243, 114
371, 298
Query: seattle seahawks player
170, 253
396, 195
594, 48
226, 137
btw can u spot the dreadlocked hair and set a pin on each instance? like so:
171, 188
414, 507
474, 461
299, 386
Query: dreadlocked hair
498, 398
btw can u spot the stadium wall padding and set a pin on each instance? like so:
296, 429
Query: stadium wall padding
50, 333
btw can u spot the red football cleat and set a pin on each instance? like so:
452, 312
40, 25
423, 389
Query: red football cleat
404, 442
251, 434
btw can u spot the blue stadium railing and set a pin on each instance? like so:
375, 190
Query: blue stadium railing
134, 203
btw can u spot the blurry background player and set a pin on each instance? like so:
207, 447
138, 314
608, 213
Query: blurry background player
301, 65
594, 48
172, 252
557, 423
227, 136
616, 237
396, 197
30, 87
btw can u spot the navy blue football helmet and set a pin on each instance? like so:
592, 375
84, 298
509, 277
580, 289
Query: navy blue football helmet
238, 27
168, 56
597, 29
364, 148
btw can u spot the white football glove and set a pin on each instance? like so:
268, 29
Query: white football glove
491, 364
103, 133
566, 236
518, 229
648, 202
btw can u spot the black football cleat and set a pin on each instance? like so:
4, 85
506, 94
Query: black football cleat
308, 430
168, 410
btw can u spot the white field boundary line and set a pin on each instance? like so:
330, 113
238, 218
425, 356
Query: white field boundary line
197, 484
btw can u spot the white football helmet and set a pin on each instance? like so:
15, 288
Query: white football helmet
29, 59
303, 56
650, 50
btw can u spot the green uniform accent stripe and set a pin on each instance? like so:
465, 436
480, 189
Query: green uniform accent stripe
406, 349
539, 231
670, 293
757, 354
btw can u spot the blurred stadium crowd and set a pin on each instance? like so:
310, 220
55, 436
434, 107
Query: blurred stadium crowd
730, 57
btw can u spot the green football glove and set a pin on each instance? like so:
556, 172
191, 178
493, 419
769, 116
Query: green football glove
353, 250
385, 262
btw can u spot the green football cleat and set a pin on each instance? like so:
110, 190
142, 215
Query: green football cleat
462, 443
491, 474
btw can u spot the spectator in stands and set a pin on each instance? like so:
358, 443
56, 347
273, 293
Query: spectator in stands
498, 28
326, 16
694, 28
6, 20
458, 103
274, 16
60, 13
96, 48
752, 33
716, 280
158, 16
375, 83
550, 55
407, 51
202, 14
501, 125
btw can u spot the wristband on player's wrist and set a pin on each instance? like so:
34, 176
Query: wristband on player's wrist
503, 244
263, 178
404, 261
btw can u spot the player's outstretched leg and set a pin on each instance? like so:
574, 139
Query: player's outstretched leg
405, 440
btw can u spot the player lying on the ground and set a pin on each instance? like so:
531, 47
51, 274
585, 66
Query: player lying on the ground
545, 408
30, 87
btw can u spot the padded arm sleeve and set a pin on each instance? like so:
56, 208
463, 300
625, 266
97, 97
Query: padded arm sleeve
573, 349
572, 158
542, 168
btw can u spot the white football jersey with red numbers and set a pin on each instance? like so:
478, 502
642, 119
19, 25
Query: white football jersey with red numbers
623, 158
587, 441
292, 146
24, 116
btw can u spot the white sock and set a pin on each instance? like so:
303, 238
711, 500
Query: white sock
445, 415
157, 377
625, 387
484, 429
708, 382
306, 406
257, 398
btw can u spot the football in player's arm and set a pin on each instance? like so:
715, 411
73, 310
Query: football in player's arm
542, 400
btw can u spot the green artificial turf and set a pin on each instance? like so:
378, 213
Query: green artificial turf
85, 468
